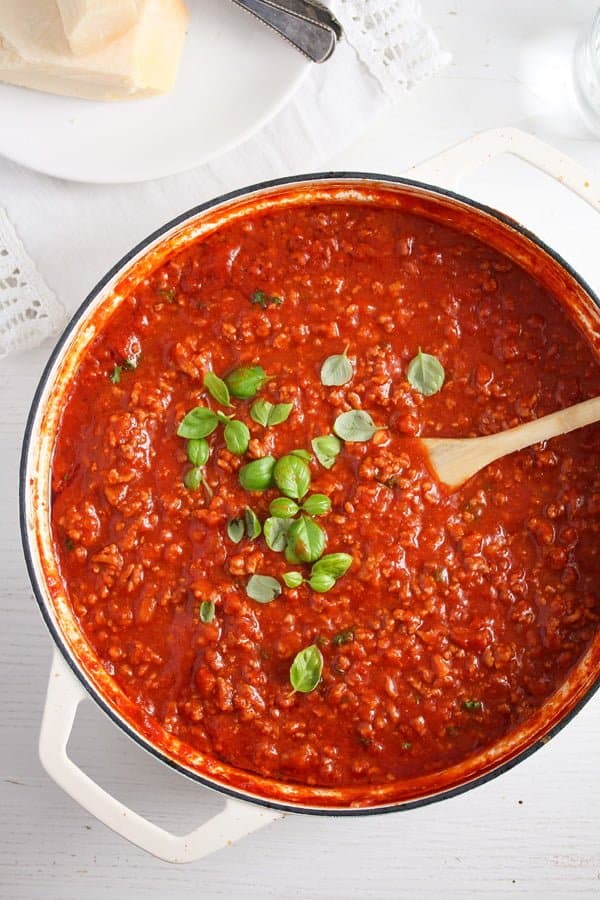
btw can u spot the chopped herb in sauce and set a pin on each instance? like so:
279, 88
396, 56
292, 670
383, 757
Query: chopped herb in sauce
115, 375
472, 705
207, 611
261, 298
343, 637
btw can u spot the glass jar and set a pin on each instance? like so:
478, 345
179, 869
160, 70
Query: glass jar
587, 73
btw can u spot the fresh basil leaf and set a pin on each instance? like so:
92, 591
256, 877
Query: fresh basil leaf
292, 476
263, 588
276, 533
237, 437
252, 522
301, 454
336, 370
306, 539
193, 478
280, 413
321, 583
217, 388
283, 508
425, 373
355, 425
316, 505
293, 579
235, 530
198, 423
115, 375
291, 556
259, 411
258, 474
198, 451
267, 414
334, 564
327, 449
245, 382
207, 611
223, 419
306, 669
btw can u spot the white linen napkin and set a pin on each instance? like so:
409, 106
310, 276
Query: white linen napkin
387, 48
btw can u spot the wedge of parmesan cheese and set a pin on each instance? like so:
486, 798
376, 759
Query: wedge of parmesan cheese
35, 53
90, 25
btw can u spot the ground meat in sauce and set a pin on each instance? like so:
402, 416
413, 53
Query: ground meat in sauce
461, 612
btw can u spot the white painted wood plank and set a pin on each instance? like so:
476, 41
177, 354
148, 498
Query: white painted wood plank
533, 833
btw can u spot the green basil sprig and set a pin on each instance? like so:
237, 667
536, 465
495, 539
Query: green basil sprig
324, 573
425, 374
306, 669
217, 388
268, 414
263, 588
327, 448
246, 381
285, 508
337, 370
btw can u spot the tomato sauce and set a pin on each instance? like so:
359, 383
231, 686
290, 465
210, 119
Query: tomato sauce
461, 613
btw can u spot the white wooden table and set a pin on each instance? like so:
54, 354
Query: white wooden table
535, 832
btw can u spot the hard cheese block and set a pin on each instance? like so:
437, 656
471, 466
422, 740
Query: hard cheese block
35, 52
90, 25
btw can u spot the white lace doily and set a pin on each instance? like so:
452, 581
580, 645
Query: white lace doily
392, 41
29, 311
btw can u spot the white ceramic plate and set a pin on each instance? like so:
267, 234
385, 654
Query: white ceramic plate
235, 74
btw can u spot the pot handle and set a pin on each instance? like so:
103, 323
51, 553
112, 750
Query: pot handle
64, 695
449, 167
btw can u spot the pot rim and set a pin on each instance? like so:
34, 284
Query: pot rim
77, 668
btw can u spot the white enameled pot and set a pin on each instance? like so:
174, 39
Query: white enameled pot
77, 673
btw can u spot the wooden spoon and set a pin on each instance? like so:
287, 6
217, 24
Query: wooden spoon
454, 460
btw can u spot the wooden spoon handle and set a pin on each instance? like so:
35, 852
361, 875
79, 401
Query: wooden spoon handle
454, 460
547, 427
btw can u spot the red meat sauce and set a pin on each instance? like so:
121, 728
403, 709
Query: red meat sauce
462, 612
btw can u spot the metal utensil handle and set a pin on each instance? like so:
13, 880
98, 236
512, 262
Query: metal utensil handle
447, 168
309, 26
237, 820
